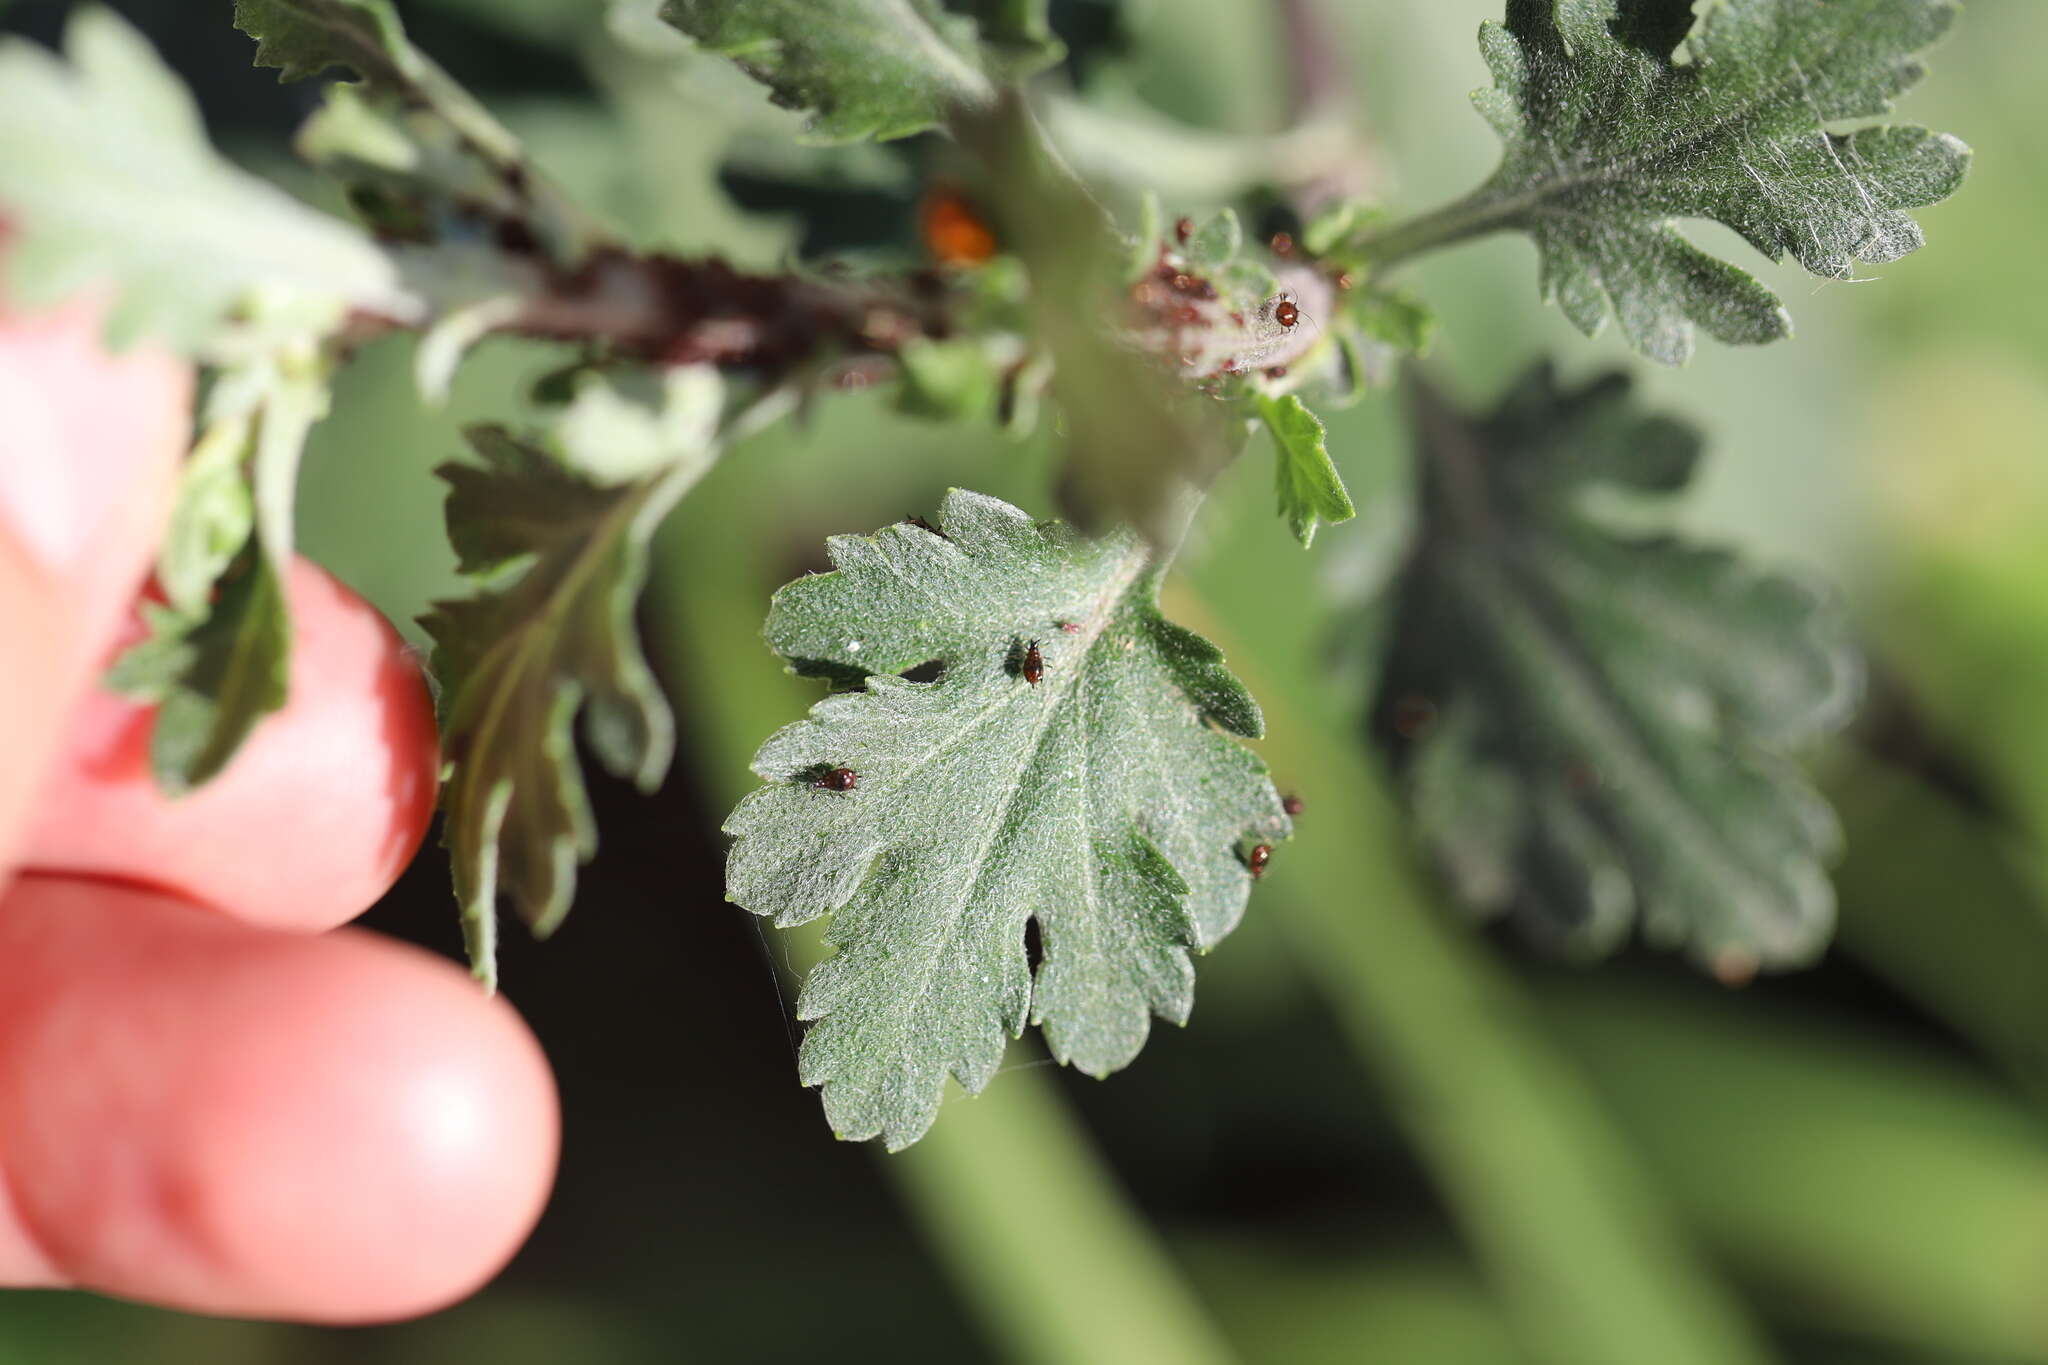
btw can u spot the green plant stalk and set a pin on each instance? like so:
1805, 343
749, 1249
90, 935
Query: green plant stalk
1981, 964
1861, 1186
1026, 1218
1590, 1262
1477, 214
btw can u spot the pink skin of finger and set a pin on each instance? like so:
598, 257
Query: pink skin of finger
315, 817
88, 454
196, 1111
249, 1122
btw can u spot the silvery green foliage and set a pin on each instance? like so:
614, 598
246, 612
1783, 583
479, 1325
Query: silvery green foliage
557, 531
1613, 130
871, 68
109, 179
1588, 723
1105, 801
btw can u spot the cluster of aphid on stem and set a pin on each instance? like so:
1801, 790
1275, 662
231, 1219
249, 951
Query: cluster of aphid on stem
1178, 312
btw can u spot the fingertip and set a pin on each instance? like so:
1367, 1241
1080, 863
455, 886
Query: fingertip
237, 1121
313, 819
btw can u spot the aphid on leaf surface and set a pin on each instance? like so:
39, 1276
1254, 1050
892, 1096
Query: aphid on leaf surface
1257, 860
1413, 715
1285, 313
1071, 627
1034, 664
838, 780
1291, 804
1183, 228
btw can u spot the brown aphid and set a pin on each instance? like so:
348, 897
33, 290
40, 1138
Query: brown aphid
1071, 627
838, 780
1344, 280
1034, 664
1183, 228
1412, 715
1282, 244
1257, 860
1581, 778
1285, 313
1183, 282
1276, 372
1291, 804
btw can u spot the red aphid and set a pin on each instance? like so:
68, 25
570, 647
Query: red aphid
1034, 664
1285, 313
1258, 859
838, 780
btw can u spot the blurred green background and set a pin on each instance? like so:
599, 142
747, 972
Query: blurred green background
1860, 1151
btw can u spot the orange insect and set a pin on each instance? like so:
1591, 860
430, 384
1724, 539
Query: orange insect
954, 233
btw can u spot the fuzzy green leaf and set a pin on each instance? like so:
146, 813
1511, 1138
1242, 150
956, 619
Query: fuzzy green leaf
1311, 492
302, 38
217, 657
1101, 802
522, 659
860, 68
1588, 723
1613, 131
108, 178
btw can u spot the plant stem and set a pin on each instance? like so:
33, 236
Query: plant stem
1477, 214
1020, 1209
1586, 1256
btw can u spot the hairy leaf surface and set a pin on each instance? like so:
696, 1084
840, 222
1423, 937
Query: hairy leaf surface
1588, 723
302, 38
860, 68
217, 657
1310, 490
1102, 802
1613, 130
108, 178
522, 659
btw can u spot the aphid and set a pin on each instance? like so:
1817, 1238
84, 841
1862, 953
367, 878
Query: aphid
1183, 228
1071, 627
1282, 244
1344, 280
1285, 313
1291, 804
1276, 372
838, 780
1258, 858
1034, 664
1582, 778
1413, 714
